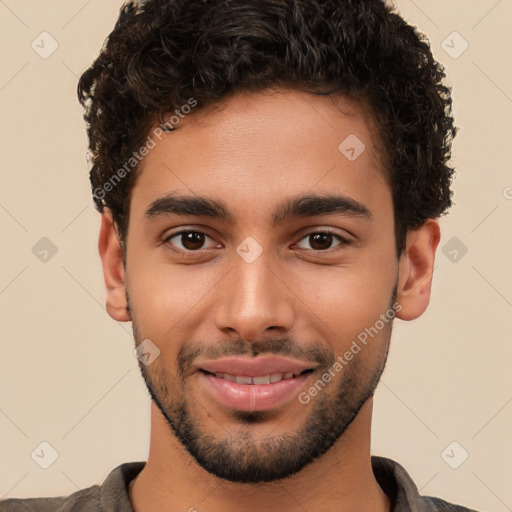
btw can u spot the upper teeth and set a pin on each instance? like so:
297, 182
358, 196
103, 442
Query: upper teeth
263, 379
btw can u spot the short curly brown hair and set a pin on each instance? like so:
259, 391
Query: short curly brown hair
162, 53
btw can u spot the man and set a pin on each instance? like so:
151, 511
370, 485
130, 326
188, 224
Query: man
270, 174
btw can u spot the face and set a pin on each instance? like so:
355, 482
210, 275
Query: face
259, 255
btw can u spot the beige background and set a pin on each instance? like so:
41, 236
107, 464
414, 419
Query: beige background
68, 374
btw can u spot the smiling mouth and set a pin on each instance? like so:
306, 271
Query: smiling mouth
253, 389
271, 378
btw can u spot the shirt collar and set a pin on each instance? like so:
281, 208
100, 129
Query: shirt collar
398, 485
391, 476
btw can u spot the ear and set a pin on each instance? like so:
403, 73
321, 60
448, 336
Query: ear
415, 270
113, 270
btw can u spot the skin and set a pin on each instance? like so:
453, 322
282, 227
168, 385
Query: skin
252, 152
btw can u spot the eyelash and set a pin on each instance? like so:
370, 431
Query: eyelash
190, 253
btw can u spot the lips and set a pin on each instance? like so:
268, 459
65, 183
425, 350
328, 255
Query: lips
262, 379
253, 384
256, 367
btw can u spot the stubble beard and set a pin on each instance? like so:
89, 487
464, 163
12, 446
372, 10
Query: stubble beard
242, 456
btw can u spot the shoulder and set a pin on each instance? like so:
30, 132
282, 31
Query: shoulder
84, 500
404, 495
431, 504
111, 496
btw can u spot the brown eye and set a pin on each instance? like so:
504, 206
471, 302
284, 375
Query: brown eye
188, 240
323, 241
320, 241
192, 240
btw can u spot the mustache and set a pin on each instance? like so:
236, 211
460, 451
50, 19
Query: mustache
314, 352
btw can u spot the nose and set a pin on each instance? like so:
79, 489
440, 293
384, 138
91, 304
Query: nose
255, 301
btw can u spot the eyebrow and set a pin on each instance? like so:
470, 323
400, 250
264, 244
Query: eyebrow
307, 205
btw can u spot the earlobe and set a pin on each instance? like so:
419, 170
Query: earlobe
113, 270
415, 270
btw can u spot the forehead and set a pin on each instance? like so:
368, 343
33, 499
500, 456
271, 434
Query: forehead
254, 147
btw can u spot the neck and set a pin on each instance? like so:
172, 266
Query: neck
342, 479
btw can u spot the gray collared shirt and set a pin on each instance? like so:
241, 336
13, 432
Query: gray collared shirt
112, 495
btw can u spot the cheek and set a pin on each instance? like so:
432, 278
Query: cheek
164, 297
348, 302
